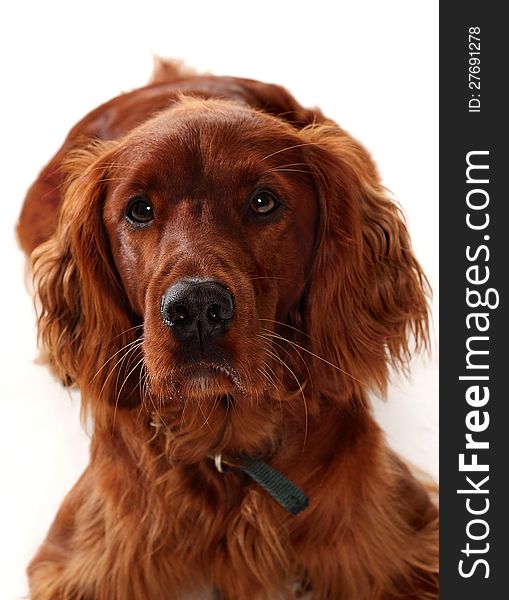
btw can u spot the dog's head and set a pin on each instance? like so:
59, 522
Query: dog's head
223, 268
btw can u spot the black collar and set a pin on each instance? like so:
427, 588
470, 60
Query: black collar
283, 491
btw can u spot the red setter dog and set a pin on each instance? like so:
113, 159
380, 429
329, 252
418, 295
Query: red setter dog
221, 273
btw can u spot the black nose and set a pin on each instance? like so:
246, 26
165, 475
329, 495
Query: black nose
197, 309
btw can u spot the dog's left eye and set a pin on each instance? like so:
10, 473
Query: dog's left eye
140, 210
263, 202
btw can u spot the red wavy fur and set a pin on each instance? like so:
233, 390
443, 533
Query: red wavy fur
328, 296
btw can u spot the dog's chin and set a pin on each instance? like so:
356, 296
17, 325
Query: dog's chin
206, 409
199, 381
209, 380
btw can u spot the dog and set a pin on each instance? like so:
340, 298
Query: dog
222, 275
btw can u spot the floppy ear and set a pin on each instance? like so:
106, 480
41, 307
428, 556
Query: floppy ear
366, 294
83, 316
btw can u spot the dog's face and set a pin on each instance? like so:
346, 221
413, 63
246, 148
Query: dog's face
229, 269
212, 217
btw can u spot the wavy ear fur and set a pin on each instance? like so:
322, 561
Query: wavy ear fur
83, 316
366, 296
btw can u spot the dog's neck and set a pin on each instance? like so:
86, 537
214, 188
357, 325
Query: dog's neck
297, 447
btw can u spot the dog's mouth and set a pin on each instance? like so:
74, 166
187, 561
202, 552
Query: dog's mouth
207, 379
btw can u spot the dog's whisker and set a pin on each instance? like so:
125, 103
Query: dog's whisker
125, 359
263, 369
285, 350
217, 402
158, 414
284, 324
126, 331
54, 189
206, 419
289, 166
290, 171
272, 337
142, 384
318, 357
115, 165
289, 148
146, 386
123, 348
273, 374
301, 389
184, 402
117, 400
134, 346
265, 375
200, 408
284, 166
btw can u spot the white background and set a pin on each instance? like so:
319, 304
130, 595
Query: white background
370, 65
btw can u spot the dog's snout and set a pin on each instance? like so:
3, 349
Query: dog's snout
197, 309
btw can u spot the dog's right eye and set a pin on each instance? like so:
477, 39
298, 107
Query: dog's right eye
140, 211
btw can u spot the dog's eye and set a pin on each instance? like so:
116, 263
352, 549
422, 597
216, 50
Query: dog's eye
140, 210
263, 202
